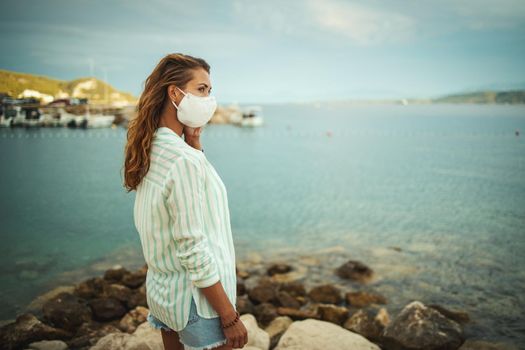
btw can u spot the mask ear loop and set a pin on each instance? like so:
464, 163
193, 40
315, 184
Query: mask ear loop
182, 91
173, 102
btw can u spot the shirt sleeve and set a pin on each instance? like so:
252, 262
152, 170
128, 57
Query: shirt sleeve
185, 202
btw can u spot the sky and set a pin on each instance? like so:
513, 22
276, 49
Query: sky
276, 51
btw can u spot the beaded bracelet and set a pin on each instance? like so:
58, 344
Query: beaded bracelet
232, 322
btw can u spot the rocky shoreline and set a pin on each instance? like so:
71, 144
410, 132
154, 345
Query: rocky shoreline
278, 305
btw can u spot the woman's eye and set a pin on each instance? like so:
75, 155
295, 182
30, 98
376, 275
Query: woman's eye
201, 89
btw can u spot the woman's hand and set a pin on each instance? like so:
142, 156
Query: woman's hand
192, 136
190, 132
237, 335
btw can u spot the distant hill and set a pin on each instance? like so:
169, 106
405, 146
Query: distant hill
46, 89
510, 97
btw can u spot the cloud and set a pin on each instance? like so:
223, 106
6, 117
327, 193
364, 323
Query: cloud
327, 19
487, 14
363, 25
286, 18
375, 22
67, 45
259, 43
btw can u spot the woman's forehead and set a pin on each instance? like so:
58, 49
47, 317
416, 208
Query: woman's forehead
200, 75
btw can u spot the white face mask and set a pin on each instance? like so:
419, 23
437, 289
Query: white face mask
195, 111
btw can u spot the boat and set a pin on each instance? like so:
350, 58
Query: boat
33, 118
19, 117
33, 122
72, 120
81, 121
252, 116
28, 117
100, 121
51, 120
5, 122
66, 118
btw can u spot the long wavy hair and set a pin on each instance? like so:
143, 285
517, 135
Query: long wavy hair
175, 68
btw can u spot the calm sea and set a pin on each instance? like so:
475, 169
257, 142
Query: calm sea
444, 183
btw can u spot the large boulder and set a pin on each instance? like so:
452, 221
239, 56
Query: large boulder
264, 292
137, 298
107, 309
362, 299
286, 300
91, 288
477, 344
134, 279
257, 337
420, 327
279, 267
296, 274
115, 274
244, 305
332, 313
89, 333
27, 329
320, 335
354, 270
294, 288
456, 315
298, 314
35, 307
117, 291
67, 311
326, 293
133, 319
265, 313
276, 329
368, 324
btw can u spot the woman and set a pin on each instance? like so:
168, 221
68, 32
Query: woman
181, 211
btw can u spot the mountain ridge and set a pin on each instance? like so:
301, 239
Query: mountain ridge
20, 85
46, 88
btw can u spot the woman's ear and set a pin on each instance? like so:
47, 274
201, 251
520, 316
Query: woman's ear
172, 92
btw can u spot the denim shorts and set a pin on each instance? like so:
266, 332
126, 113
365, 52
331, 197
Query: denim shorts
199, 334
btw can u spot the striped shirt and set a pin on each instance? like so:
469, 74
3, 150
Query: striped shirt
181, 214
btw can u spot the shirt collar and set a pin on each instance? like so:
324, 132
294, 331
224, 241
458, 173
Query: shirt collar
164, 130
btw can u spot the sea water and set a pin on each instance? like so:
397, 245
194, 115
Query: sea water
443, 183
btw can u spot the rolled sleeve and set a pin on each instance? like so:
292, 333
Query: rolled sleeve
185, 201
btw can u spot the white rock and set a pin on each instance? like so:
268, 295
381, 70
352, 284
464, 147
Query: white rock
48, 345
257, 338
144, 338
133, 319
148, 338
313, 334
278, 325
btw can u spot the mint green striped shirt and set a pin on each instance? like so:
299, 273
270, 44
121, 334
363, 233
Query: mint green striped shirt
181, 214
